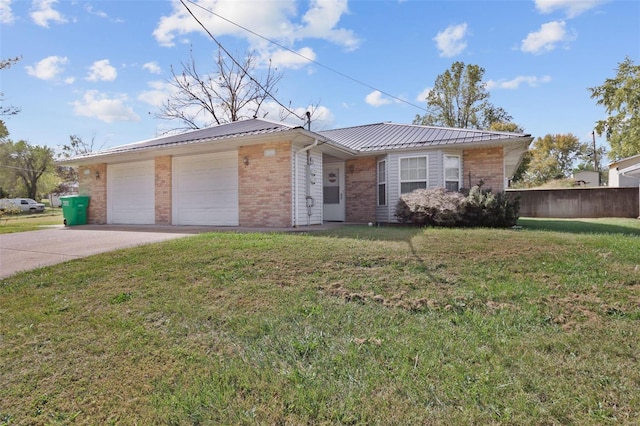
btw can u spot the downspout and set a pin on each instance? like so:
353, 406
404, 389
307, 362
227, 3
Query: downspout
295, 186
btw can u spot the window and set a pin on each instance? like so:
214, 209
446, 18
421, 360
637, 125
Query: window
413, 174
452, 172
382, 183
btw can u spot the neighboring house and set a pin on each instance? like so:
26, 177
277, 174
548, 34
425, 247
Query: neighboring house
586, 178
625, 173
258, 173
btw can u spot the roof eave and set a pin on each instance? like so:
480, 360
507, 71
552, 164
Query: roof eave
525, 139
182, 148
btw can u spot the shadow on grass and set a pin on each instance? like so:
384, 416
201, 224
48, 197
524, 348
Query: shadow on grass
374, 233
583, 226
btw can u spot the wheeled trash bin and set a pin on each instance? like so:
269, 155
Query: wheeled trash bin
74, 209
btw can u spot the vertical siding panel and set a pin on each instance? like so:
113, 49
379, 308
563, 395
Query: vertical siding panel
303, 218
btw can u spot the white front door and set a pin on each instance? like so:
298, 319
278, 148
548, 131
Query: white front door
333, 192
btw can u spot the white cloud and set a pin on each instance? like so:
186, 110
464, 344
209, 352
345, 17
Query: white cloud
42, 12
102, 71
159, 93
6, 15
98, 105
321, 20
287, 59
375, 99
48, 68
152, 67
547, 38
572, 8
450, 42
422, 96
90, 10
514, 83
276, 22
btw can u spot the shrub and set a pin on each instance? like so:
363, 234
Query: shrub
433, 206
8, 208
490, 209
437, 207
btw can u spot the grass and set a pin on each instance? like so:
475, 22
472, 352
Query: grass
358, 325
30, 221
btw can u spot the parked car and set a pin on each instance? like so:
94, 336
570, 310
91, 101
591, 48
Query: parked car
24, 204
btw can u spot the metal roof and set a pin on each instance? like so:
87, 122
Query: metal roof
353, 140
388, 136
232, 130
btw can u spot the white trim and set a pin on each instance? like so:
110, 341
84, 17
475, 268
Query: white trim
444, 169
426, 179
385, 183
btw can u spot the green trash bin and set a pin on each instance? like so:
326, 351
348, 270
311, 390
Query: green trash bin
74, 209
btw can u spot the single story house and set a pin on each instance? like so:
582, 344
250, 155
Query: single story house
625, 173
259, 173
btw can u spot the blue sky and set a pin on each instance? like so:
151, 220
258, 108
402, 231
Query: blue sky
99, 69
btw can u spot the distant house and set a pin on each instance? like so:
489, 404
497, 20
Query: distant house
258, 173
625, 173
586, 178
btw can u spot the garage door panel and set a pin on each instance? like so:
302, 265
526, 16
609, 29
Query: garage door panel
206, 190
131, 193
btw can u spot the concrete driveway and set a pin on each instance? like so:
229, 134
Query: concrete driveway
22, 251
29, 250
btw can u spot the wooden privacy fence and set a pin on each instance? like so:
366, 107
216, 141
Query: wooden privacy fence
579, 202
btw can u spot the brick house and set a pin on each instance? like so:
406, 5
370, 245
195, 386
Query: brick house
258, 173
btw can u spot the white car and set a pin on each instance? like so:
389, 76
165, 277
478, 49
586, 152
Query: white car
24, 204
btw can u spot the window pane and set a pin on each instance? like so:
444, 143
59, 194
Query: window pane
451, 186
451, 174
411, 186
451, 167
382, 195
331, 194
382, 172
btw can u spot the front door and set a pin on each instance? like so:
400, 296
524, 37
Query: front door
333, 192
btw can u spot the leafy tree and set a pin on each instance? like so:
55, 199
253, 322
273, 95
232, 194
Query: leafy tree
502, 126
23, 165
230, 93
459, 99
552, 157
7, 110
621, 98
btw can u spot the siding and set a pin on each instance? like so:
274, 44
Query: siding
300, 213
435, 178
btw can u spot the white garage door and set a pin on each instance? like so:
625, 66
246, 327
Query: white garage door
205, 189
131, 193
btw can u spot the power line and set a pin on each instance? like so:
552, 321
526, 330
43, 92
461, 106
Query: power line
237, 63
298, 54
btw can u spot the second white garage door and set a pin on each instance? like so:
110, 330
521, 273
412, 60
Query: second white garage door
205, 189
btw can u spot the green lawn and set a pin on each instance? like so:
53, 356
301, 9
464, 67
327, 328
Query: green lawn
30, 221
358, 325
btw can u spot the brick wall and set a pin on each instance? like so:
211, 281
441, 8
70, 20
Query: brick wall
163, 190
264, 185
96, 188
484, 164
361, 196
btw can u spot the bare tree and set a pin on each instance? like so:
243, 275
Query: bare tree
6, 64
229, 94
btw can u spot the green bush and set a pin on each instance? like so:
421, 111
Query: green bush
437, 207
489, 209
